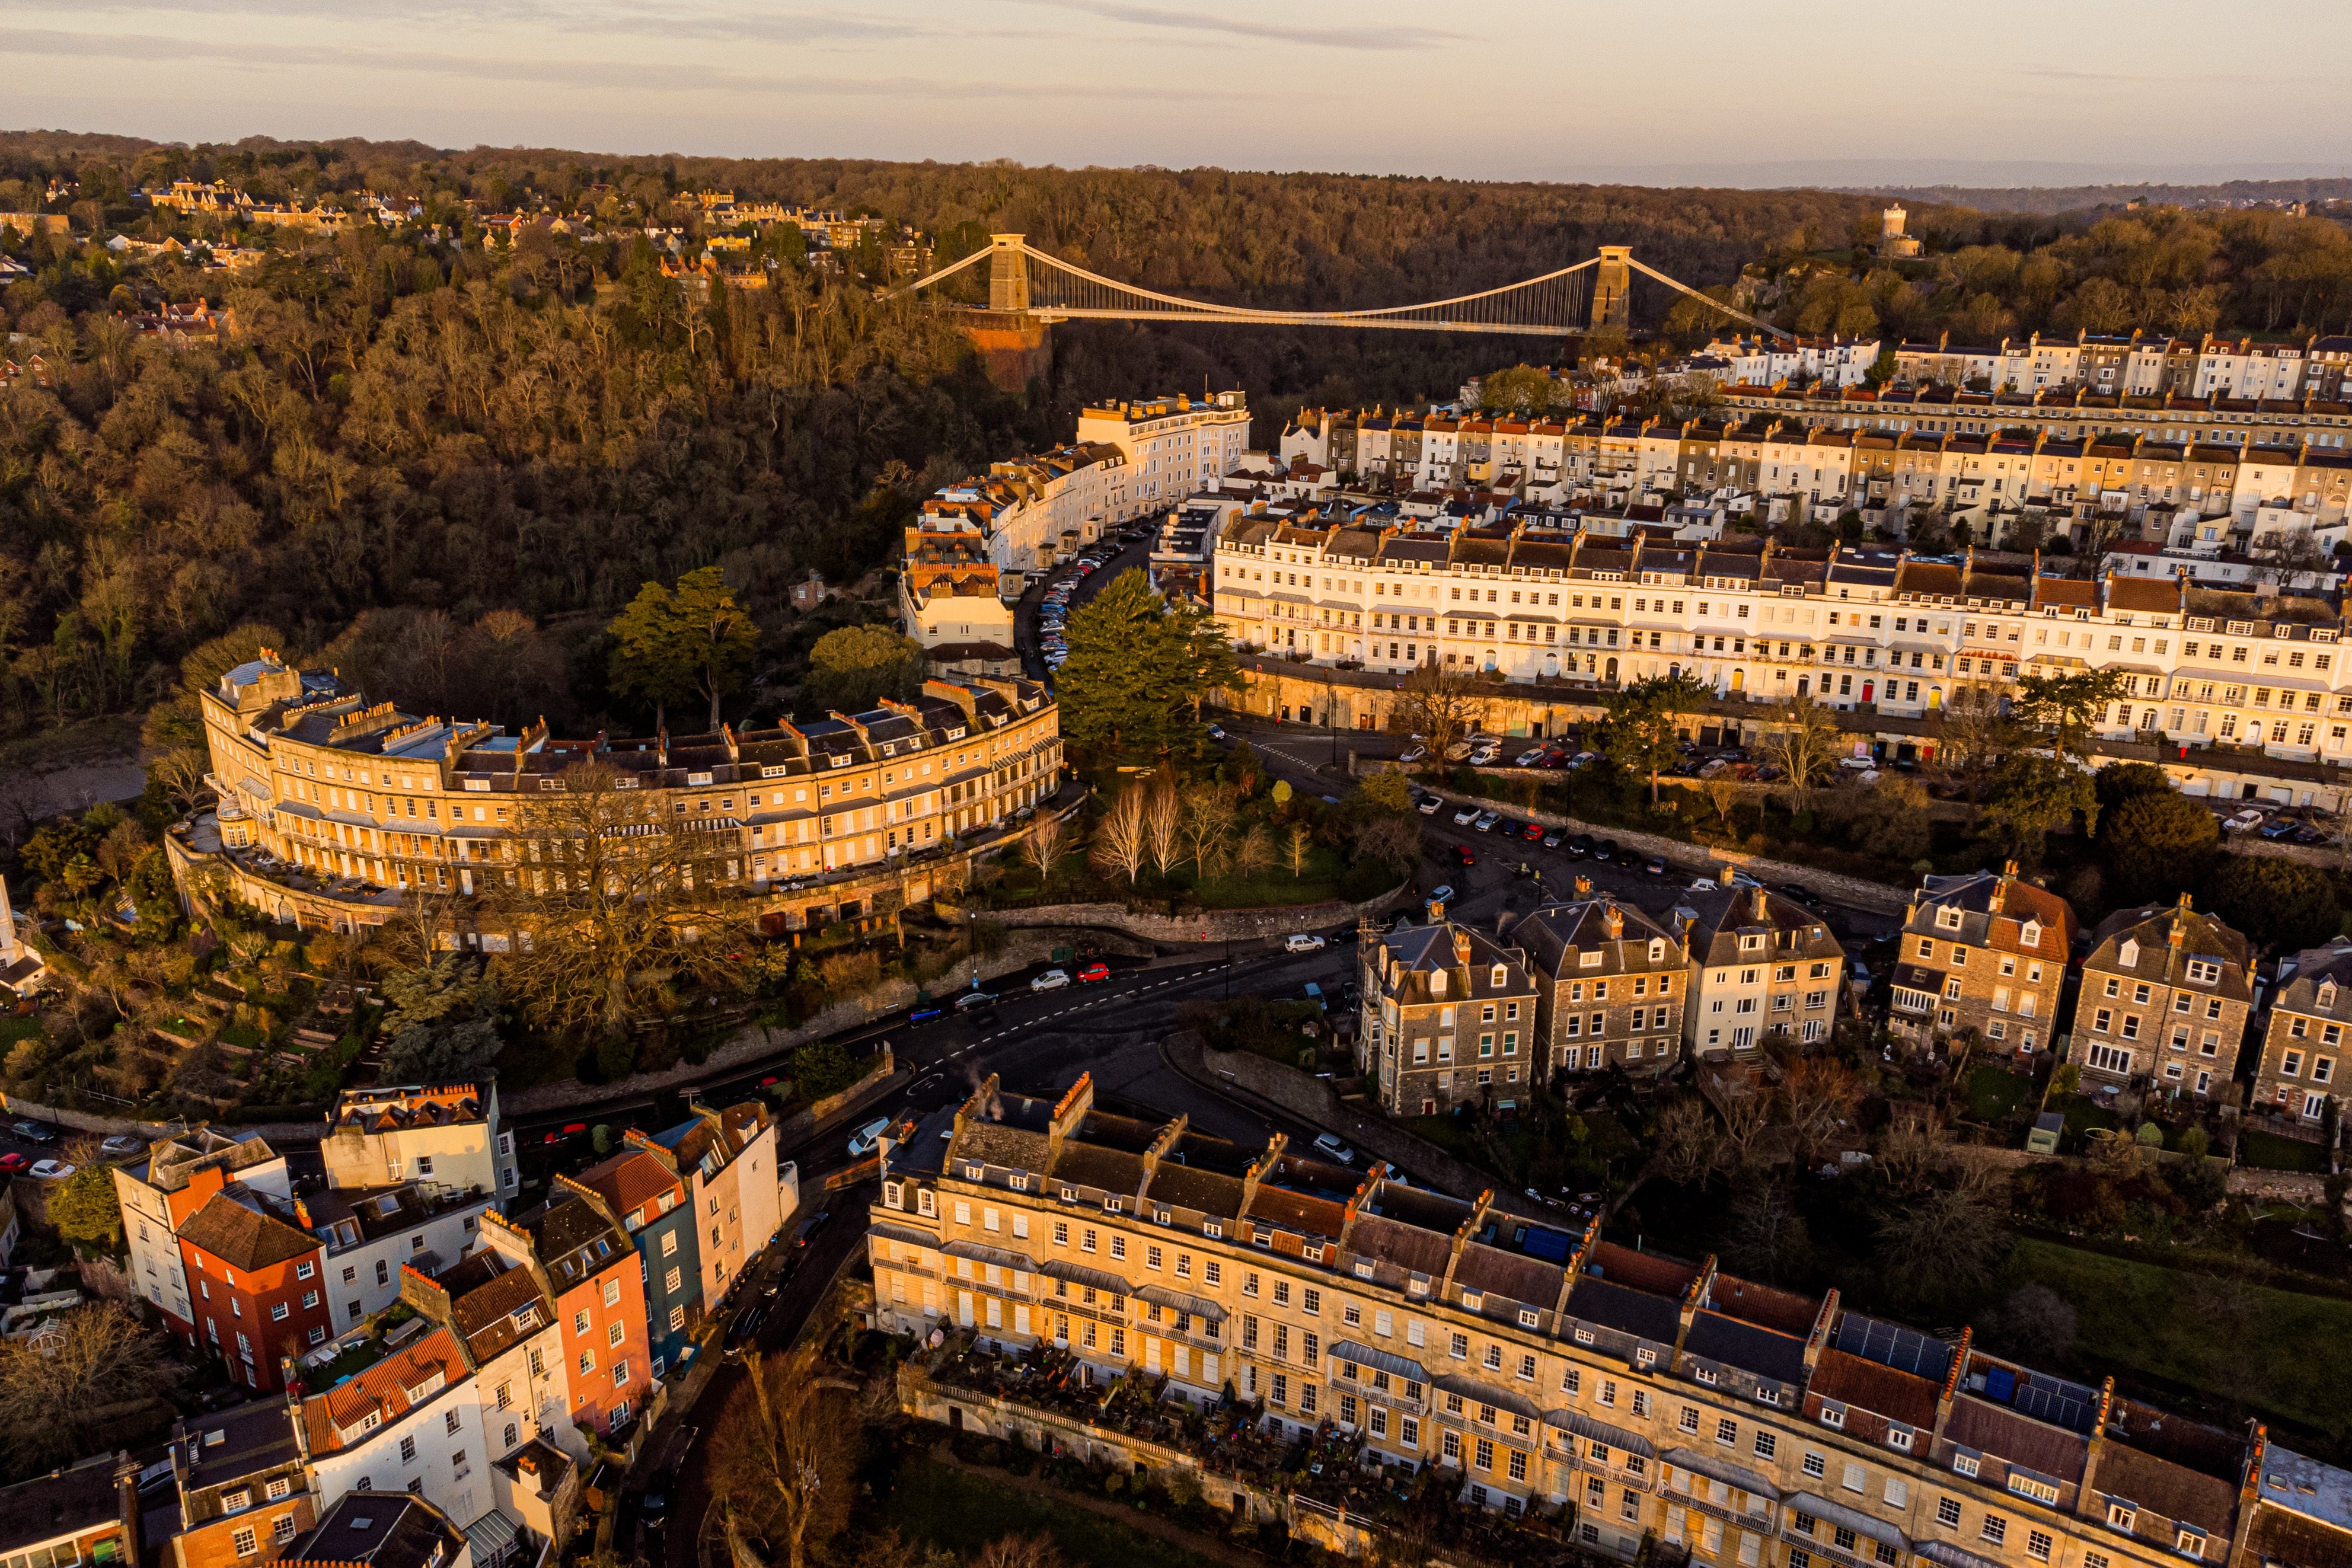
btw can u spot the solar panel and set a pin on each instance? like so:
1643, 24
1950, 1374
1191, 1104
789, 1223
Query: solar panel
1892, 1344
1548, 1245
2067, 1404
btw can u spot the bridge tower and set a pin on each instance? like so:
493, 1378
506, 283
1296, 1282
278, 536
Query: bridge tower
1008, 274
1613, 288
1016, 342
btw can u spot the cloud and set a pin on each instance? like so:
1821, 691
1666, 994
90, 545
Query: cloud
1335, 38
607, 75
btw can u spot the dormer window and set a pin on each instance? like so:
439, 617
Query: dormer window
1500, 978
1657, 950
2205, 972
2031, 934
1947, 918
2129, 954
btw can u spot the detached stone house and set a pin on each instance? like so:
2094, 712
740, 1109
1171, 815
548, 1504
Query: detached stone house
1608, 985
1986, 952
2165, 998
1449, 1019
2302, 1066
1762, 967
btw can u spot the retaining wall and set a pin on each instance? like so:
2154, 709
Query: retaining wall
1852, 890
1208, 925
1313, 1100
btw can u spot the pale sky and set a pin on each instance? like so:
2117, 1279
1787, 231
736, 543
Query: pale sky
1671, 91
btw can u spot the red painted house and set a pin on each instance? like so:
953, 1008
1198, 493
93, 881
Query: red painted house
254, 1277
584, 1259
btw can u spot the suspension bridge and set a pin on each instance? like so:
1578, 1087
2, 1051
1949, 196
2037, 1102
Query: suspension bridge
1026, 283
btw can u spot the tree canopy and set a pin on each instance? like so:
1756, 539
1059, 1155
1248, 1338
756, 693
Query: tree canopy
673, 644
851, 668
2155, 842
1639, 726
1138, 669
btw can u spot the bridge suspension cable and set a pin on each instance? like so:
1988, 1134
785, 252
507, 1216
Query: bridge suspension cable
1026, 281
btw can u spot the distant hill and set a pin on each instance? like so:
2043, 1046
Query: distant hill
2049, 201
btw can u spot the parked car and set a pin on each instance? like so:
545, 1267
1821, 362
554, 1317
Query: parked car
1418, 754
1216, 732
1796, 889
2282, 828
1051, 980
1428, 805
656, 1508
1465, 817
1302, 942
975, 1001
1533, 833
1606, 851
808, 1227
1581, 845
122, 1146
862, 1141
1094, 972
1329, 1146
14, 1163
1655, 866
1551, 840
51, 1170
1442, 893
1531, 759
1466, 855
1486, 820
925, 1012
1314, 993
34, 1133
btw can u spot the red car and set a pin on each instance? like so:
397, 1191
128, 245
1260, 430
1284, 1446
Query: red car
1094, 972
1463, 850
14, 1163
1533, 833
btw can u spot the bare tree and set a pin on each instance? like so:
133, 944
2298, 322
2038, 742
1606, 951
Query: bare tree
1395, 842
1120, 835
601, 890
1819, 1094
787, 1456
1440, 705
1207, 816
1042, 847
1972, 734
1256, 851
1036, 1550
1804, 742
1746, 1117
1297, 850
1723, 794
1163, 818
1949, 1239
58, 1391
1686, 1140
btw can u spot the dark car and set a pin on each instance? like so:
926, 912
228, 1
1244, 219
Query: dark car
808, 1227
1606, 851
34, 1133
975, 1001
1796, 889
656, 1508
746, 1324
2284, 828
1655, 866
1581, 845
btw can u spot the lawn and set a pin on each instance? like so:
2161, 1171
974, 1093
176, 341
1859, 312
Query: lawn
2270, 1152
1995, 1093
963, 1512
2243, 1347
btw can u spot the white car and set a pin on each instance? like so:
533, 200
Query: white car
1465, 817
1302, 942
51, 1170
1051, 980
1486, 758
1418, 754
1428, 805
1329, 1146
862, 1141
1529, 758
2244, 822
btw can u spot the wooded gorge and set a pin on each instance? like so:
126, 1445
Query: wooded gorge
413, 424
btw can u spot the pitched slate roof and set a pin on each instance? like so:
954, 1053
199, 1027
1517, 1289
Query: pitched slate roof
232, 1227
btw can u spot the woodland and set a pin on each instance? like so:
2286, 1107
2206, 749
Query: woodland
412, 431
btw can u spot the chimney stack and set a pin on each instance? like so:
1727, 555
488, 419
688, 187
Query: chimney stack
1584, 887
1460, 946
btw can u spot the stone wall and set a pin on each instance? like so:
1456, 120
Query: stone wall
752, 1044
1208, 925
1853, 890
1313, 1100
801, 1126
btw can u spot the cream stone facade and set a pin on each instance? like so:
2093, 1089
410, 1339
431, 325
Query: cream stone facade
1532, 1369
1171, 446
